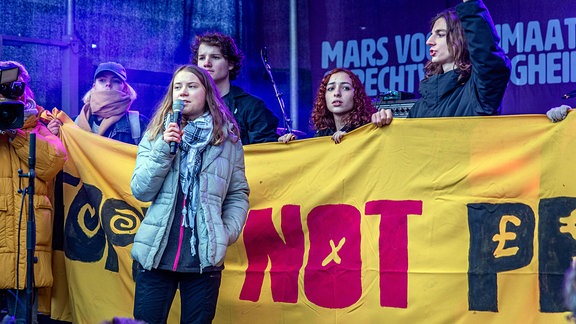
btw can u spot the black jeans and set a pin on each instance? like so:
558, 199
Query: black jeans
155, 290
16, 301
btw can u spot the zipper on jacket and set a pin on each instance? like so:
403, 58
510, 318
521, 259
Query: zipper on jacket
180, 239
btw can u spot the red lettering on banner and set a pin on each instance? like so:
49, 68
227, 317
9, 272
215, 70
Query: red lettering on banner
393, 246
333, 275
262, 241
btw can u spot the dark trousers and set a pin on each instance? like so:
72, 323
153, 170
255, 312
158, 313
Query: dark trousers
155, 292
16, 306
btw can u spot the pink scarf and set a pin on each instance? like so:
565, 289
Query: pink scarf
111, 105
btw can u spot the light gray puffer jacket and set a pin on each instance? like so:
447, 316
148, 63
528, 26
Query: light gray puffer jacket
223, 199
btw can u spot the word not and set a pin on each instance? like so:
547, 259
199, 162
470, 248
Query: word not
332, 276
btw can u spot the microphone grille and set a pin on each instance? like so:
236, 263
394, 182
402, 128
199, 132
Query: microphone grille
177, 105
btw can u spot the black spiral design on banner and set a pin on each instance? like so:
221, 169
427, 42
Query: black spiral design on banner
120, 222
93, 224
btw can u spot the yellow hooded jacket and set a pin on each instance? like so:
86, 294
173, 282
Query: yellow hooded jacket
50, 158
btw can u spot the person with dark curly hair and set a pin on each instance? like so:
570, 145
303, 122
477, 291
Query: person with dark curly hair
341, 106
468, 72
220, 57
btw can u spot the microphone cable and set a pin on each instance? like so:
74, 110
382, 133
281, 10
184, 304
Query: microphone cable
16, 298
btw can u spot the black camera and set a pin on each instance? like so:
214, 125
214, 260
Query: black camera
11, 110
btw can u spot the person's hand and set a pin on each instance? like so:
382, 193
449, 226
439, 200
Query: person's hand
173, 134
337, 137
382, 117
54, 126
286, 138
557, 114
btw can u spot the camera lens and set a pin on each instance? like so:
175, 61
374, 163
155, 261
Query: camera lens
11, 114
12, 90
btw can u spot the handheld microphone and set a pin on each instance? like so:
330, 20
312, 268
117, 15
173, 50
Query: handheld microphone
569, 95
177, 107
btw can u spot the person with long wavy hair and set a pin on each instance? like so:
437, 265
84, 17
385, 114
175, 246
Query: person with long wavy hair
341, 105
467, 73
199, 196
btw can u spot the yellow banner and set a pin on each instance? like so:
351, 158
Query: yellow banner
427, 220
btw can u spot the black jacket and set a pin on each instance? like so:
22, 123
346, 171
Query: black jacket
122, 131
257, 123
443, 96
330, 131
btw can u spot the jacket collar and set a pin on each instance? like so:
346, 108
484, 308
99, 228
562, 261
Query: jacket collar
438, 86
213, 151
210, 154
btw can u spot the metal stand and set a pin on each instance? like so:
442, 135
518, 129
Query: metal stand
30, 229
287, 121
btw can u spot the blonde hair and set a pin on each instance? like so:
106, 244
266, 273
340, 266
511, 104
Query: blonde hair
126, 89
223, 121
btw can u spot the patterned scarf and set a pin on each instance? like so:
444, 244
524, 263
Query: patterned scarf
197, 136
111, 105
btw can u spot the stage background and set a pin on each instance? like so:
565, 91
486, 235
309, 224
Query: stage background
539, 37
